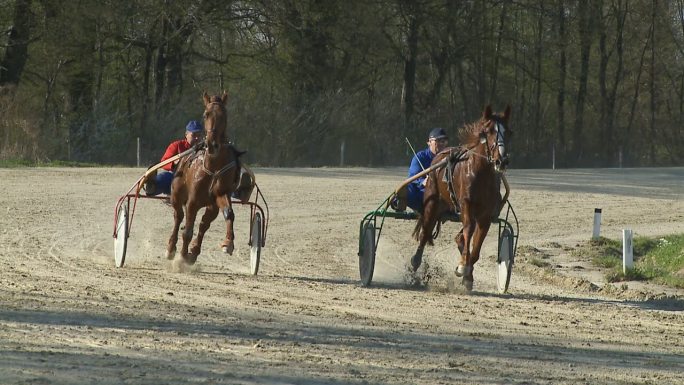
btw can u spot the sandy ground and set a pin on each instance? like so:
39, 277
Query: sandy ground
68, 316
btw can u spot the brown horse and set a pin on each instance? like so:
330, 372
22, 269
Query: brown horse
471, 188
206, 179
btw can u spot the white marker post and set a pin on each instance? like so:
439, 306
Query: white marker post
627, 250
597, 224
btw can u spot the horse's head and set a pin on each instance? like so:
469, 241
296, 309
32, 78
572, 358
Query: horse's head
496, 135
215, 120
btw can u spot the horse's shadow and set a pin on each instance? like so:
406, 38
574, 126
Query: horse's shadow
665, 304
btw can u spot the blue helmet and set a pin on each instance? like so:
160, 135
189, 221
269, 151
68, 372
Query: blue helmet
194, 126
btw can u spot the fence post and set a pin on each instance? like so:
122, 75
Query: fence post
620, 157
627, 250
597, 224
342, 153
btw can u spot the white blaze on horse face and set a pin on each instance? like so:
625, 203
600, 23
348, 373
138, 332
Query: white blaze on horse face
500, 132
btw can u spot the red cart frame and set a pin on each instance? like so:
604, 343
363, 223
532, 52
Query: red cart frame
124, 213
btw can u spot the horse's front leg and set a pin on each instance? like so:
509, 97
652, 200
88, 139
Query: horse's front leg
210, 213
228, 244
481, 230
460, 243
465, 267
173, 239
191, 214
463, 239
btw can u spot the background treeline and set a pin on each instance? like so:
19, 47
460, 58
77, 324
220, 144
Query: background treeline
599, 81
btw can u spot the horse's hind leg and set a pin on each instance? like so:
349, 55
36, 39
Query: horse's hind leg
427, 224
228, 244
210, 213
173, 239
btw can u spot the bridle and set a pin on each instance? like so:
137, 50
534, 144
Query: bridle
207, 110
497, 145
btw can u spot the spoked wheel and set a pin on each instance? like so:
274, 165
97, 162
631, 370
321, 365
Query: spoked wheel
121, 240
255, 239
367, 253
505, 260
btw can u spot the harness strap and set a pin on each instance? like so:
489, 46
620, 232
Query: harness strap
453, 159
215, 174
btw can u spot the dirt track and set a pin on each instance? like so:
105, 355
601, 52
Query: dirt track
68, 316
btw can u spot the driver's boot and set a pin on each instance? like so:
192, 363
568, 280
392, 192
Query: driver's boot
245, 185
400, 200
151, 183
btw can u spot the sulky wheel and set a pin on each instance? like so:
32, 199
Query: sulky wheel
367, 253
255, 241
121, 240
505, 260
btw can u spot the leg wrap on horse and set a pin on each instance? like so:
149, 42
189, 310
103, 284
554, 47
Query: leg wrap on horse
228, 214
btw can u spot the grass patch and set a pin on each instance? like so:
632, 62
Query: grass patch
660, 260
617, 275
665, 262
17, 163
539, 263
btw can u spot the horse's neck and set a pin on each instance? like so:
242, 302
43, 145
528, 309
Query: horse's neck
220, 157
479, 161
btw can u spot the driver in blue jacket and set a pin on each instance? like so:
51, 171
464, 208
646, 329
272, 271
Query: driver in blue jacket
437, 141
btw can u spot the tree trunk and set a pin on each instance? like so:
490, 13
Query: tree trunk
12, 64
585, 25
652, 87
536, 120
497, 53
562, 74
410, 73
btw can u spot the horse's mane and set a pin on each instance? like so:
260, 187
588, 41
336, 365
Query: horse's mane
469, 134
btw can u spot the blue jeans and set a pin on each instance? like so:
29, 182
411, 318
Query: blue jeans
415, 196
163, 182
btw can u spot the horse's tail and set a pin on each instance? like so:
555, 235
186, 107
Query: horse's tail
419, 226
430, 198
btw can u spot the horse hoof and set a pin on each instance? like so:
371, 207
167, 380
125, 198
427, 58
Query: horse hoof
416, 260
190, 258
460, 270
170, 254
468, 285
228, 249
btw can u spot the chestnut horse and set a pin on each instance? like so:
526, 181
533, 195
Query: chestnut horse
471, 188
206, 179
